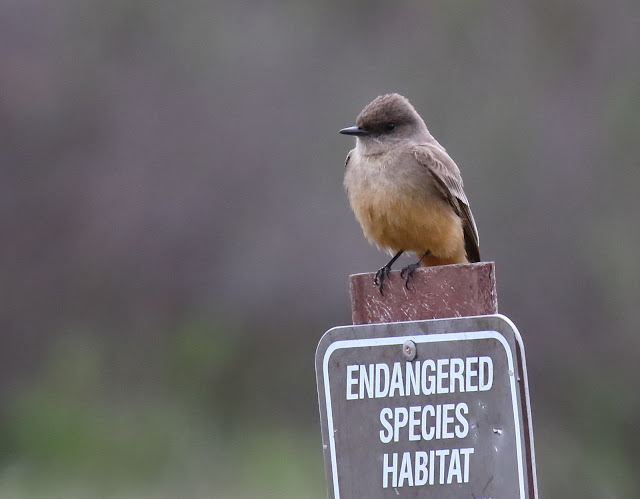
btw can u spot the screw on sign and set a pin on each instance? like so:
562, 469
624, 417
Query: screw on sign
426, 409
409, 349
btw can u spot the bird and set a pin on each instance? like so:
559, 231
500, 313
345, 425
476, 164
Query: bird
406, 191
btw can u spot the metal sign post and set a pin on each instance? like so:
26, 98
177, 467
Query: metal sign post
433, 408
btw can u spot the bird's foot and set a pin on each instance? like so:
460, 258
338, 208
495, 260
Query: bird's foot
407, 272
383, 272
381, 275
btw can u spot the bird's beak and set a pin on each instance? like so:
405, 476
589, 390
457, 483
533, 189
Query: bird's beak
354, 130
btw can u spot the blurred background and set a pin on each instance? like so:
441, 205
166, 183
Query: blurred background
176, 237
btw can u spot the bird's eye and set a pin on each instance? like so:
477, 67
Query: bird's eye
389, 127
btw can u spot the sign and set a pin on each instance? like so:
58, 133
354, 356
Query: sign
435, 408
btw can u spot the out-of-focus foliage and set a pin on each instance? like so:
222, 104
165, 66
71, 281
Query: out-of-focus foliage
176, 237
75, 434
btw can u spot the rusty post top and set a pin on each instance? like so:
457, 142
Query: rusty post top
433, 293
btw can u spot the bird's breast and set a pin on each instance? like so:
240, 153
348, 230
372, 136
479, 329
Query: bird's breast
399, 208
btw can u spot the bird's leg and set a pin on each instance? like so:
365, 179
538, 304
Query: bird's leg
383, 272
407, 272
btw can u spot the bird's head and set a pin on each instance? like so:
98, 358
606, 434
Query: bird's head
387, 121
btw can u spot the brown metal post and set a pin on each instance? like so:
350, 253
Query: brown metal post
433, 293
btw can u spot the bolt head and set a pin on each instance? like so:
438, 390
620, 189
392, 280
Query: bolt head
409, 350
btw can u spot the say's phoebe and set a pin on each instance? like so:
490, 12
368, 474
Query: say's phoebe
405, 190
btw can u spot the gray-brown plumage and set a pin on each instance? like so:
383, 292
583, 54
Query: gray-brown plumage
405, 190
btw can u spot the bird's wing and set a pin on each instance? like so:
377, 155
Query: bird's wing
448, 179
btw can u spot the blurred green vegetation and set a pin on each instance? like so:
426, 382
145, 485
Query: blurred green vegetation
72, 433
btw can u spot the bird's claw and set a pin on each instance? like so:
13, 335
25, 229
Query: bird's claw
381, 275
407, 273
